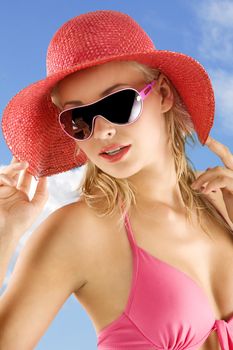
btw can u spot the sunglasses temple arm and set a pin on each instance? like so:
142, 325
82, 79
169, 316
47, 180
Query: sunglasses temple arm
146, 91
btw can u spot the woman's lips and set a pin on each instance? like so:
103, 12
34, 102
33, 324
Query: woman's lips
112, 147
117, 156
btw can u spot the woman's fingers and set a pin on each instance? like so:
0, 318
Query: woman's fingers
24, 181
6, 180
13, 168
16, 177
16, 174
14, 160
41, 194
10, 175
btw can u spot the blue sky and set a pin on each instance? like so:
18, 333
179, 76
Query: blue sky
201, 29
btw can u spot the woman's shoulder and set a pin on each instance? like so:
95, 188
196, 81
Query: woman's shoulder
84, 227
81, 234
80, 215
78, 219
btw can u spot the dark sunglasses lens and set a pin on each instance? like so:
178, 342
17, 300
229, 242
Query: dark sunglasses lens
120, 108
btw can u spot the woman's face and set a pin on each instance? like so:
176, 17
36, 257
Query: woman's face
147, 136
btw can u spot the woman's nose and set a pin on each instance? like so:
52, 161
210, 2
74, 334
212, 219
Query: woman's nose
103, 128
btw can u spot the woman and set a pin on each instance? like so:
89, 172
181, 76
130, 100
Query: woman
144, 252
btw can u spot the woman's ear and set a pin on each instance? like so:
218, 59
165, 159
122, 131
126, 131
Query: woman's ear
165, 91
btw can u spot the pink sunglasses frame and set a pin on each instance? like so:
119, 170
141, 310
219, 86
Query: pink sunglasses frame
143, 94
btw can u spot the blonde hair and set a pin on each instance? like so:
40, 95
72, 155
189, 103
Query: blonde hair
104, 193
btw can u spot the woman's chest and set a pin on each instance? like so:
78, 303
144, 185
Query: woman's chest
206, 258
208, 261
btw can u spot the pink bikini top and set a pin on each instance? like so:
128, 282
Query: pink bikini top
166, 309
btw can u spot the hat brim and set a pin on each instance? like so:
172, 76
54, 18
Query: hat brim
30, 123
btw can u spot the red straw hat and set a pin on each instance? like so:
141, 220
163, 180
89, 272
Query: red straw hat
30, 120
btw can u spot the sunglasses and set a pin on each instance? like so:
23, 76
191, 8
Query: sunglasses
122, 107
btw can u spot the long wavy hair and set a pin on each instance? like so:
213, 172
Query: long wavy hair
105, 194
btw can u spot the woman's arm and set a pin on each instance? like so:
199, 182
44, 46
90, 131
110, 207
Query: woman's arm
48, 270
7, 248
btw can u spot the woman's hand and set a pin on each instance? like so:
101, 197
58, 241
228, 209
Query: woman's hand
17, 212
218, 177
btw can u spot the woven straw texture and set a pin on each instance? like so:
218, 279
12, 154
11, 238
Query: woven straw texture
30, 120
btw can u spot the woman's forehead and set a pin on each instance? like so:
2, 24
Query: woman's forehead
110, 68
92, 81
103, 75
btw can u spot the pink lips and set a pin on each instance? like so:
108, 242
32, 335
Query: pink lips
117, 156
112, 147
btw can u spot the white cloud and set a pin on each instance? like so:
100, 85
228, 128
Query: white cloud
223, 87
219, 12
215, 45
216, 25
62, 190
